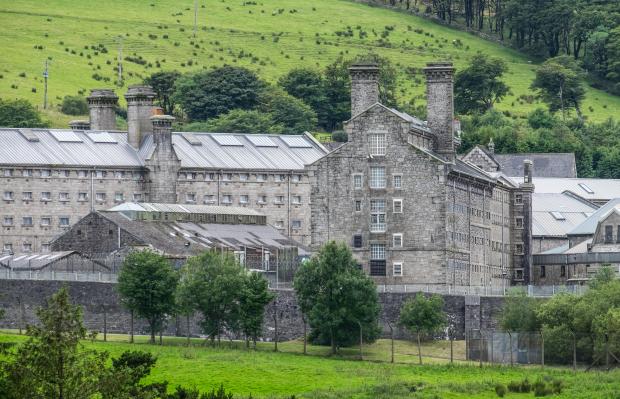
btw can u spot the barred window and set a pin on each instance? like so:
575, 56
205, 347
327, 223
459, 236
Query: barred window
377, 251
357, 241
398, 206
377, 216
358, 206
244, 199
377, 260
398, 182
357, 182
377, 177
377, 143
397, 269
397, 240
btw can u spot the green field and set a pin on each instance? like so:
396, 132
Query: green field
269, 36
266, 374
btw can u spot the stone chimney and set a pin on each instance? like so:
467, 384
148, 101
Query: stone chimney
527, 171
491, 146
440, 106
364, 87
164, 165
139, 110
79, 125
102, 104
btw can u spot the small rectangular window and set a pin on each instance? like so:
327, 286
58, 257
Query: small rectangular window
7, 221
397, 240
27, 173
377, 177
119, 197
8, 195
209, 199
377, 216
609, 234
543, 272
244, 199
296, 178
46, 196
227, 199
46, 221
397, 269
82, 197
64, 196
357, 182
100, 197
398, 206
377, 143
46, 173
8, 172
137, 197
398, 182
519, 249
27, 247
27, 221
358, 206
27, 196
190, 198
518, 199
296, 224
563, 271
7, 248
519, 222
279, 199
357, 241
296, 199
63, 221
227, 177
262, 199
244, 177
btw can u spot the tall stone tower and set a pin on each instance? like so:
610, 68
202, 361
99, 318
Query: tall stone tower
364, 86
440, 106
164, 164
102, 104
139, 110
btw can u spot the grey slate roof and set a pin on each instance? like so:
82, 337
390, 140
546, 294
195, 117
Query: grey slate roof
588, 226
545, 164
554, 215
601, 189
45, 147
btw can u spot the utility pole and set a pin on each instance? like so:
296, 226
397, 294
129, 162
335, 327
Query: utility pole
195, 17
45, 76
120, 61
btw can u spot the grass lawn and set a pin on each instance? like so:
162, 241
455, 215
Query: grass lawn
82, 38
266, 374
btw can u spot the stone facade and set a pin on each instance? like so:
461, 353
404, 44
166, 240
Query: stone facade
411, 212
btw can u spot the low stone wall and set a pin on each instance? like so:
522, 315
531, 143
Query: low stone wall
21, 298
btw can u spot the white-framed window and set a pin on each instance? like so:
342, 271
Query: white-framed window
227, 199
8, 196
7, 247
190, 197
27, 172
63, 221
377, 251
8, 173
397, 205
397, 240
137, 197
27, 196
377, 216
519, 222
296, 224
279, 199
27, 221
377, 143
27, 247
227, 177
210, 176
46, 221
377, 177
63, 196
100, 174
262, 177
244, 177
357, 182
358, 206
397, 269
518, 199
119, 197
398, 182
46, 173
244, 199
82, 197
7, 221
46, 196
281, 178
296, 199
82, 173
296, 178
262, 199
100, 197
209, 199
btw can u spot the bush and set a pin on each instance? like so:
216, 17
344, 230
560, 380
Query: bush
525, 386
340, 136
501, 390
514, 386
74, 105
541, 389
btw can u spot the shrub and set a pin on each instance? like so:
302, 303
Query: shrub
514, 386
501, 390
74, 105
340, 136
525, 386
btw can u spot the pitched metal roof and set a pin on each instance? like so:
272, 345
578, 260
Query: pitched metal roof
554, 215
545, 164
32, 261
184, 208
195, 150
588, 226
590, 189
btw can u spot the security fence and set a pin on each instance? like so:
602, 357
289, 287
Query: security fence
531, 290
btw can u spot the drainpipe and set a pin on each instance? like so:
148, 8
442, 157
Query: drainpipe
92, 190
219, 182
288, 203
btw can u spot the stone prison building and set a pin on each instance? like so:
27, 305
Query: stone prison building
412, 212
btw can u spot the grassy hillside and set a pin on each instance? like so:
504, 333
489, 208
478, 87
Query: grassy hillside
266, 374
270, 36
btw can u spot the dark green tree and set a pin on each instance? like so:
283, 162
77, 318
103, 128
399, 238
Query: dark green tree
479, 86
337, 297
204, 95
309, 86
20, 113
74, 105
163, 85
254, 297
241, 121
519, 313
423, 315
147, 284
212, 284
291, 113
558, 82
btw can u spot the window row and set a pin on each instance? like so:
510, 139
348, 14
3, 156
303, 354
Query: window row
65, 196
377, 179
227, 199
295, 224
259, 177
397, 242
28, 221
66, 173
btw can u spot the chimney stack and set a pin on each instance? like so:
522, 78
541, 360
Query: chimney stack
79, 125
139, 110
102, 104
440, 106
527, 171
364, 87
164, 164
491, 146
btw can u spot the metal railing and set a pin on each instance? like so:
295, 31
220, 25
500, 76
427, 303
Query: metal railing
8, 274
531, 290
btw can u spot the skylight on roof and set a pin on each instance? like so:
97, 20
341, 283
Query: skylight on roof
585, 188
261, 141
66, 136
102, 137
191, 138
296, 142
558, 215
227, 140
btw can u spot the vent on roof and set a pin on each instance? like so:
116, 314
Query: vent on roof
29, 135
585, 188
227, 140
190, 138
262, 141
296, 142
102, 137
66, 136
558, 215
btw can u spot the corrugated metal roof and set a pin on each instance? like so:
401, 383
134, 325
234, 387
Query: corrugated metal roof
602, 189
196, 150
32, 261
554, 215
184, 208
588, 226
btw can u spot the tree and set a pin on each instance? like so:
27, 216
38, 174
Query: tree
337, 298
254, 297
308, 85
212, 283
74, 105
423, 315
604, 275
208, 94
519, 312
558, 82
478, 87
147, 284
291, 113
51, 364
20, 113
163, 85
242, 121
